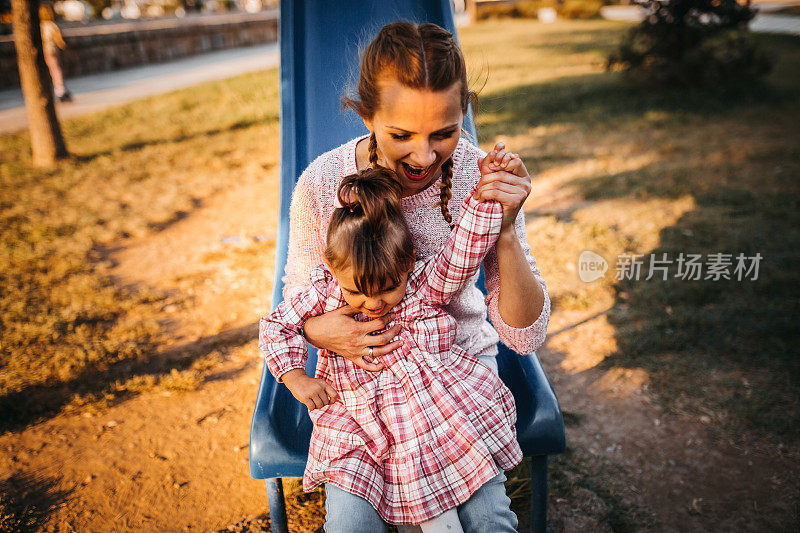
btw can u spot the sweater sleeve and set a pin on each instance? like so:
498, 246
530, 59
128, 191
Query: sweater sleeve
521, 340
280, 337
306, 240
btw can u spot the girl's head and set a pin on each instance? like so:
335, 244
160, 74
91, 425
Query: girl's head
45, 13
369, 247
413, 96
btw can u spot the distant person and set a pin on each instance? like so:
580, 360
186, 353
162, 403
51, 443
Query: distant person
51, 42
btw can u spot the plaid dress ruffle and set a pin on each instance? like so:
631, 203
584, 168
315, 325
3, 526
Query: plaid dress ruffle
421, 435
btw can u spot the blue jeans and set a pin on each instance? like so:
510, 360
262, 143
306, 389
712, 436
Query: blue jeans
488, 510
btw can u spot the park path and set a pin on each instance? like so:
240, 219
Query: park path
99, 91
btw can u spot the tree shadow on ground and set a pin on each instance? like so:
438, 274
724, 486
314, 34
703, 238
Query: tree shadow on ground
27, 500
243, 124
601, 98
707, 344
36, 403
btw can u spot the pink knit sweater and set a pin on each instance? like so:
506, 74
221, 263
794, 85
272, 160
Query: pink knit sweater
313, 202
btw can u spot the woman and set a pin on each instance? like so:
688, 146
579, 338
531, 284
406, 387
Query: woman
413, 96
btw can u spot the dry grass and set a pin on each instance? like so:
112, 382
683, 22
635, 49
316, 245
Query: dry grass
622, 171
69, 334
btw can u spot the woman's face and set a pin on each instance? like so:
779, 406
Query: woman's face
416, 130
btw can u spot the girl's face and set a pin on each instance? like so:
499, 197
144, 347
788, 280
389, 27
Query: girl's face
416, 130
373, 306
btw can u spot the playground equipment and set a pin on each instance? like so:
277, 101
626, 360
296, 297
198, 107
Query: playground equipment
319, 45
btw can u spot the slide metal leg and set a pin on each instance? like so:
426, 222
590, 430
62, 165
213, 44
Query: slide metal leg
539, 494
277, 505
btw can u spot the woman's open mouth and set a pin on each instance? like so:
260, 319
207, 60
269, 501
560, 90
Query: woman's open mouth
415, 173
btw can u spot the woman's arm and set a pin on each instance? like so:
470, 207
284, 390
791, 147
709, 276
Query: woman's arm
521, 296
517, 299
306, 238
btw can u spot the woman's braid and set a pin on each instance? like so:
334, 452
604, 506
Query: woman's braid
444, 189
373, 151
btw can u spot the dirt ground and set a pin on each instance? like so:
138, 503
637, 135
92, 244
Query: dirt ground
170, 460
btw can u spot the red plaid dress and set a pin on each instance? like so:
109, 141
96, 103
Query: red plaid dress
421, 435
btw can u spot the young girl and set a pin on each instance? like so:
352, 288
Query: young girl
419, 437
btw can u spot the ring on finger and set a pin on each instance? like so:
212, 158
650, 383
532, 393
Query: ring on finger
371, 350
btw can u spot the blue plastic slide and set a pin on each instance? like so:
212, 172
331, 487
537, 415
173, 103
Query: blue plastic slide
319, 44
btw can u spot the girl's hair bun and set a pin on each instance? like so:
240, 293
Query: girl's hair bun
372, 193
368, 234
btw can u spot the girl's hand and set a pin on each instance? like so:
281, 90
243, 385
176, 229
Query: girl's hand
504, 178
313, 392
337, 331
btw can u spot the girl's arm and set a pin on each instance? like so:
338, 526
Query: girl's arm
59, 39
459, 260
280, 336
517, 299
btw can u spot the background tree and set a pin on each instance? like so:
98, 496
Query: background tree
47, 142
691, 42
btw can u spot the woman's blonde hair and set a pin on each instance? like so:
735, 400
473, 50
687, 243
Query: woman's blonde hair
419, 56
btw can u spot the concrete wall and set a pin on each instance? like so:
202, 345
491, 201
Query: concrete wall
106, 47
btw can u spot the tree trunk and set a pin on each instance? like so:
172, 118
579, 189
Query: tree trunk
47, 142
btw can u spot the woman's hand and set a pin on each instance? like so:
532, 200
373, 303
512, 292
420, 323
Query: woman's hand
504, 178
337, 331
312, 392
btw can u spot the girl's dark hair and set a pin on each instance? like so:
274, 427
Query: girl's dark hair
419, 56
368, 233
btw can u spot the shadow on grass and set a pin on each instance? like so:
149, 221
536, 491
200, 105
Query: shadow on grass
727, 346
130, 147
721, 347
716, 346
710, 343
569, 42
27, 500
602, 98
38, 402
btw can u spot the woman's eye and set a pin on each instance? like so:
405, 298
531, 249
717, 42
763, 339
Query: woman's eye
445, 135
399, 136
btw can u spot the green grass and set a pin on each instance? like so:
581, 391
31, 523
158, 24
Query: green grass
69, 334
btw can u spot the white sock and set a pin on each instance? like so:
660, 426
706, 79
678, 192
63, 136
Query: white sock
447, 522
